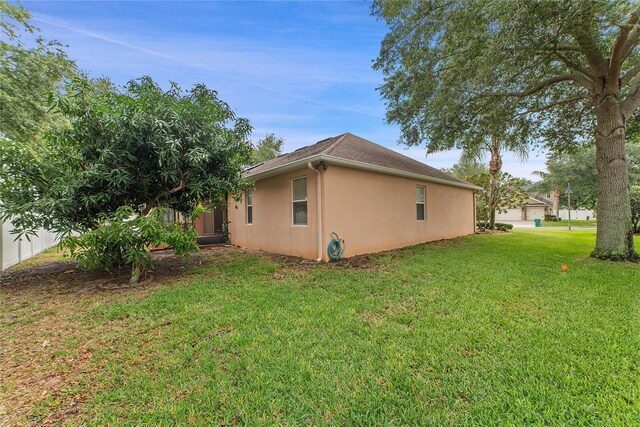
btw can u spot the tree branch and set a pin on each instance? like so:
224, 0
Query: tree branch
589, 48
632, 42
632, 100
629, 75
177, 188
577, 67
623, 44
537, 88
554, 104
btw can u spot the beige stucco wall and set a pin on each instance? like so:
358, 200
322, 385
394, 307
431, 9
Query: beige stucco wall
272, 229
374, 212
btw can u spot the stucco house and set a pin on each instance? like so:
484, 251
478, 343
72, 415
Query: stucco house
374, 198
536, 207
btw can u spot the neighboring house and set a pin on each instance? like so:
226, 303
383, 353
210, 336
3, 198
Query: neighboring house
536, 207
374, 198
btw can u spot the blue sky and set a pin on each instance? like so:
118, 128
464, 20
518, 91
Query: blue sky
299, 69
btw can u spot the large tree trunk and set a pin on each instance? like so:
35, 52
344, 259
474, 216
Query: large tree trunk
614, 238
495, 165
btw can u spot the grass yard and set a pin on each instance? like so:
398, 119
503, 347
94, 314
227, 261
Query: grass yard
481, 330
577, 223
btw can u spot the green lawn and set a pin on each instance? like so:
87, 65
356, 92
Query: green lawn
481, 330
574, 223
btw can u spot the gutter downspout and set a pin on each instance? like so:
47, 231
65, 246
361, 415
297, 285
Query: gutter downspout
318, 208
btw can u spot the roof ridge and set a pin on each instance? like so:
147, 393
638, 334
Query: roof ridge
394, 152
336, 143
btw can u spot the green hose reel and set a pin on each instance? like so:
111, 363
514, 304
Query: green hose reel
336, 247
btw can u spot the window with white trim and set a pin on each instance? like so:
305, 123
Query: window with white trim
299, 200
420, 205
249, 206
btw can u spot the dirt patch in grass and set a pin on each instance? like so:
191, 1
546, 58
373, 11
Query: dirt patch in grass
47, 352
65, 277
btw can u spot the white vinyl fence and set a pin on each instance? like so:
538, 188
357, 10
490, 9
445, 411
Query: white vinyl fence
577, 214
14, 251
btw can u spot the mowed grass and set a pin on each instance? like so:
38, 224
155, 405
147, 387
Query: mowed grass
480, 330
578, 223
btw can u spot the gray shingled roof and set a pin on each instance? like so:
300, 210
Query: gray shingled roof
351, 147
541, 199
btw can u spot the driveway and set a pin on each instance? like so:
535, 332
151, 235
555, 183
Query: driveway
531, 224
521, 224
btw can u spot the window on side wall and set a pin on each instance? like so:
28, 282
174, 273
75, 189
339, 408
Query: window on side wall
420, 212
299, 200
250, 207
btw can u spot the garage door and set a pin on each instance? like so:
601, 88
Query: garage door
510, 215
535, 213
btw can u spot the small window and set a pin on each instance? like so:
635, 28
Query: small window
299, 199
250, 207
420, 203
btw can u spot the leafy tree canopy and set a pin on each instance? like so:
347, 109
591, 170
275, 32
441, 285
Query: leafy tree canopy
139, 146
498, 194
267, 148
579, 170
451, 64
30, 69
464, 169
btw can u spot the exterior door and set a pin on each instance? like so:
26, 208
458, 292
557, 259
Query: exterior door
212, 221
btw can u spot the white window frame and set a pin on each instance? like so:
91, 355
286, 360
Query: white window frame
247, 221
423, 203
306, 201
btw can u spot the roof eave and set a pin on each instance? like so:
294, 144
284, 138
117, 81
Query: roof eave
358, 165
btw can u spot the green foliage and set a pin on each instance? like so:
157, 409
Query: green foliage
140, 146
635, 207
463, 169
452, 66
267, 148
497, 226
125, 238
30, 69
505, 192
578, 168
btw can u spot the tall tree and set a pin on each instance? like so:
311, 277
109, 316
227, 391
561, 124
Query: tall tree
498, 194
567, 71
267, 148
580, 171
30, 69
494, 147
126, 151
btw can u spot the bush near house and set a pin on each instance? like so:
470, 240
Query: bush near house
500, 226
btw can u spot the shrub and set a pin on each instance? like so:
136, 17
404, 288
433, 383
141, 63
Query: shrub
504, 227
125, 238
499, 226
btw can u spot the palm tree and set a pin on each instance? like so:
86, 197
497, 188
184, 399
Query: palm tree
493, 146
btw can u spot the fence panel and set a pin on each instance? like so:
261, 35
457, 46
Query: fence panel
15, 251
